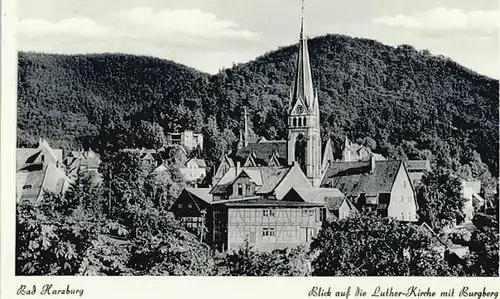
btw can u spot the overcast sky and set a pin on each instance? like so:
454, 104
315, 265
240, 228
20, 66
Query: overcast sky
211, 34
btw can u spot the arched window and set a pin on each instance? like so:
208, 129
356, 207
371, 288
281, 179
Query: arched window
304, 122
294, 122
300, 122
300, 152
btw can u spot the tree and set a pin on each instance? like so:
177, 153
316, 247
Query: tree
148, 135
440, 199
54, 235
162, 247
374, 246
483, 246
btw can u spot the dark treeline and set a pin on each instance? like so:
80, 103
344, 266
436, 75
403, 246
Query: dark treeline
411, 103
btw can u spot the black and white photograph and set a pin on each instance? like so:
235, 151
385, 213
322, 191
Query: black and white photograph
255, 138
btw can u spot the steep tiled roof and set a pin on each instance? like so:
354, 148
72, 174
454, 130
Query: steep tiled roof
22, 155
318, 195
354, 178
201, 193
271, 177
264, 150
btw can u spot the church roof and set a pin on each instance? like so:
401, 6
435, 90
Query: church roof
354, 178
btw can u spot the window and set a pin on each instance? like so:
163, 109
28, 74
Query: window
294, 122
268, 232
305, 122
179, 206
190, 205
268, 213
240, 189
248, 190
402, 216
300, 122
311, 212
402, 198
404, 184
25, 187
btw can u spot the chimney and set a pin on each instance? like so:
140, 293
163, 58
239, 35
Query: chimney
238, 167
372, 163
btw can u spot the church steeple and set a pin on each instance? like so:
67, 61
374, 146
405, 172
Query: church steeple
303, 90
304, 138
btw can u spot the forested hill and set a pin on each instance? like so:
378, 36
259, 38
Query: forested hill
411, 103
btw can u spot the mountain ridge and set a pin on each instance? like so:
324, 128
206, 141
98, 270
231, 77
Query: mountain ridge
363, 86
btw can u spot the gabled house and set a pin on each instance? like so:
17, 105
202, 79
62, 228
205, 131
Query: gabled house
194, 170
150, 158
39, 170
192, 208
382, 186
271, 182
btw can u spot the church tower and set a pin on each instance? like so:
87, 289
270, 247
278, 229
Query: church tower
304, 139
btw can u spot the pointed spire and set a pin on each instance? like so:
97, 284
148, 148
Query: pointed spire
303, 90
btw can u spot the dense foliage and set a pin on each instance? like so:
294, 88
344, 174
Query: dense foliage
411, 103
398, 101
119, 227
368, 245
440, 200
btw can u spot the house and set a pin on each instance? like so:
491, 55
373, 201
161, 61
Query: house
39, 170
382, 186
473, 201
248, 205
87, 161
194, 170
270, 182
188, 139
335, 204
265, 223
150, 158
352, 152
192, 207
417, 169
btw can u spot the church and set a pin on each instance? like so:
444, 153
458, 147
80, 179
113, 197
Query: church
303, 144
277, 193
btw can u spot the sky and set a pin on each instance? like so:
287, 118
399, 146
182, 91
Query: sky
213, 34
